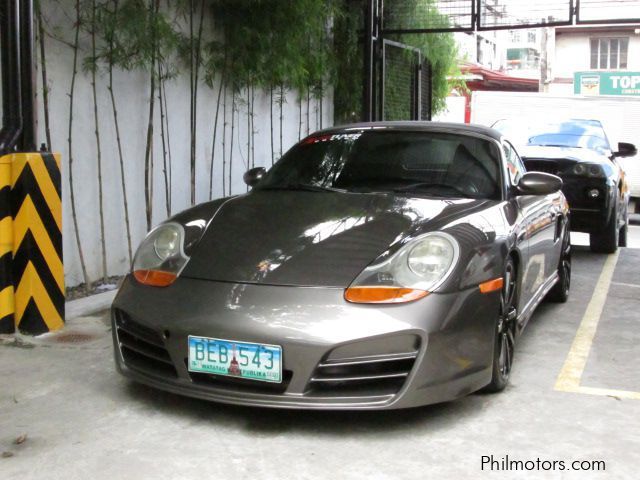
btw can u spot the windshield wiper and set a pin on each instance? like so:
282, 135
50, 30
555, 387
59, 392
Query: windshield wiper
429, 185
553, 145
306, 187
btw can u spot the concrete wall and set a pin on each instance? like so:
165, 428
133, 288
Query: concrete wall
131, 89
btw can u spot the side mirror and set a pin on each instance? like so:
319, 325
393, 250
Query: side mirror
538, 183
253, 176
625, 150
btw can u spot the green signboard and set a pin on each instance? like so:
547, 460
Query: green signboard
606, 83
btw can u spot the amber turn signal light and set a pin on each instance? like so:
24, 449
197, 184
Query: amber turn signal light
155, 278
383, 294
491, 285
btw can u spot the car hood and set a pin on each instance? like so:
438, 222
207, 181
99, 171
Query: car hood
311, 238
569, 153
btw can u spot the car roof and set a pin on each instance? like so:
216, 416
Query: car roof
461, 128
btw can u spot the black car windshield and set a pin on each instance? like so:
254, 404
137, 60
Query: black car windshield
571, 133
406, 162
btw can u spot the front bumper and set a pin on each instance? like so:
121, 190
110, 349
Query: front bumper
588, 214
336, 355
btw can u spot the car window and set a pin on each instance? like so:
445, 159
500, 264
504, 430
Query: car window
514, 163
435, 163
571, 133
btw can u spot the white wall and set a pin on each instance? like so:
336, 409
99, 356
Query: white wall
131, 91
454, 111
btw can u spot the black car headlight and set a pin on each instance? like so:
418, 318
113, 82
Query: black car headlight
588, 170
410, 273
161, 257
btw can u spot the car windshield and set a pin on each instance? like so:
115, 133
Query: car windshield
572, 133
405, 162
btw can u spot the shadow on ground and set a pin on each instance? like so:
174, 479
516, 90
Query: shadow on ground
270, 421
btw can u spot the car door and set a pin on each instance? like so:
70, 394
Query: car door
539, 217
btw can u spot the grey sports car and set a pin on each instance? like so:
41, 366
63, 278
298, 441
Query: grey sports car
375, 266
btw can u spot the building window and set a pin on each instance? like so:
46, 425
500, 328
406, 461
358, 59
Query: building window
514, 35
609, 53
531, 36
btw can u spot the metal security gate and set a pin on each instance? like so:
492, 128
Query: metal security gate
405, 83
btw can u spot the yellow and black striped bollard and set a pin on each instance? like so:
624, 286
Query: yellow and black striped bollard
38, 272
7, 323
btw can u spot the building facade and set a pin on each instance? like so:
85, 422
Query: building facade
595, 60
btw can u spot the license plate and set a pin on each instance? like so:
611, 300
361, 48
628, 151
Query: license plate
254, 361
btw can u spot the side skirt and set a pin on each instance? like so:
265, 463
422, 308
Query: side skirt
530, 307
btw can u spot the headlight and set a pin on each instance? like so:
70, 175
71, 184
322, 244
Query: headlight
411, 273
431, 258
160, 258
588, 170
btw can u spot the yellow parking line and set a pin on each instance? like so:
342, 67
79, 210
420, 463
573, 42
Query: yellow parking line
622, 284
569, 377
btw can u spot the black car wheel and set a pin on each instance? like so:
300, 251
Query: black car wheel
504, 344
560, 291
622, 234
606, 241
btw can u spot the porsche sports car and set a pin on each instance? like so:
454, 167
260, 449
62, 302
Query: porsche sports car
594, 183
374, 266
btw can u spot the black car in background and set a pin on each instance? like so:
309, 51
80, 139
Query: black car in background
578, 151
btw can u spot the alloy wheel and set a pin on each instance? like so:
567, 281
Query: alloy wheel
506, 322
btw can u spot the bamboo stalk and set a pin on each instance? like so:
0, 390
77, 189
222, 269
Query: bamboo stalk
168, 134
119, 141
224, 141
195, 56
321, 100
87, 283
271, 119
192, 151
233, 112
300, 116
253, 130
195, 95
167, 195
248, 128
281, 116
213, 142
45, 83
148, 154
98, 146
308, 107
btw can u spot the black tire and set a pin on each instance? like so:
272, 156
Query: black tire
504, 341
607, 240
560, 291
622, 234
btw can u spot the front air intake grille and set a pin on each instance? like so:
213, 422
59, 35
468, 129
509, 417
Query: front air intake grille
375, 374
142, 348
546, 166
